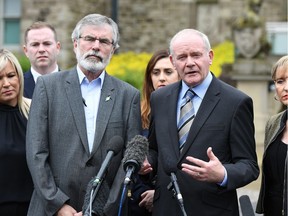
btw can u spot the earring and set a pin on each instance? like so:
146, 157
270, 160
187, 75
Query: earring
276, 97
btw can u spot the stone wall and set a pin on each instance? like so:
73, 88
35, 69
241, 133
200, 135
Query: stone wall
146, 26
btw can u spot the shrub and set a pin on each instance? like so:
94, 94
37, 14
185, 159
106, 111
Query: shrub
129, 67
223, 54
24, 62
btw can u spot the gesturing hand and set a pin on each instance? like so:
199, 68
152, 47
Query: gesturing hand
211, 171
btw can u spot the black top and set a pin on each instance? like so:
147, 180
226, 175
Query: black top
274, 165
15, 181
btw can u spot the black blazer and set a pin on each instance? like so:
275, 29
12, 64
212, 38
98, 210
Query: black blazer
29, 84
224, 121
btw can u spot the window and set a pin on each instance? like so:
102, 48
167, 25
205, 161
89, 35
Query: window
277, 34
10, 22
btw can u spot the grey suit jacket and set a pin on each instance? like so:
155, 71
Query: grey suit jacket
57, 146
224, 122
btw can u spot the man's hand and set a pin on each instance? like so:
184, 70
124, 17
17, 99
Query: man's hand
212, 171
67, 210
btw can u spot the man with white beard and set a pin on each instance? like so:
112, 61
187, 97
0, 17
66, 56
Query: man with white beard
74, 114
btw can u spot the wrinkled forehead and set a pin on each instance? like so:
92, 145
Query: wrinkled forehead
97, 30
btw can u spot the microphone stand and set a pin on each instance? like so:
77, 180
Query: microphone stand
126, 192
94, 190
176, 192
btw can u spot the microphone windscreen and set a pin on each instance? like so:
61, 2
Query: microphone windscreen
246, 206
137, 150
115, 144
170, 166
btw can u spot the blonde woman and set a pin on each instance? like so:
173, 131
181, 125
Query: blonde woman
15, 183
273, 194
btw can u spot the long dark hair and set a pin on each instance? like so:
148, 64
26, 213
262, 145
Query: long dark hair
148, 86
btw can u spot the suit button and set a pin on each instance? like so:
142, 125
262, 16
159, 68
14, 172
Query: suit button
89, 164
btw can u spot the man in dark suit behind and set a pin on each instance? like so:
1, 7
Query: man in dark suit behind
218, 155
42, 49
74, 114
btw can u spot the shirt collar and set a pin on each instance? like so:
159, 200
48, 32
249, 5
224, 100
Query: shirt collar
82, 76
200, 89
35, 74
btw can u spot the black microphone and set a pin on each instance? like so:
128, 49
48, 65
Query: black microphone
134, 156
246, 206
114, 147
171, 170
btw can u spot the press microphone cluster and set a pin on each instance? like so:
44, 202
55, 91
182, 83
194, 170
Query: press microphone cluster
134, 156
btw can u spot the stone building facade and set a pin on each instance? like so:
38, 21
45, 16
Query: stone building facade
146, 25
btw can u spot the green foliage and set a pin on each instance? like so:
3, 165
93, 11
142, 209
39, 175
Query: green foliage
223, 54
131, 66
24, 62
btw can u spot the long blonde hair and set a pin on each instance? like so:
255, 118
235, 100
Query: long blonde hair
5, 57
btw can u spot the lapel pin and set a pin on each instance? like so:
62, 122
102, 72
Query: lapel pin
108, 98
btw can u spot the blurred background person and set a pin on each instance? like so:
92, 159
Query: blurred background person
15, 183
273, 193
159, 73
42, 49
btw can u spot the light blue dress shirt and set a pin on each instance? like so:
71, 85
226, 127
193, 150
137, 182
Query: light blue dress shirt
91, 92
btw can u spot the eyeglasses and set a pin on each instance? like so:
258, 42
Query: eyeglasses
102, 41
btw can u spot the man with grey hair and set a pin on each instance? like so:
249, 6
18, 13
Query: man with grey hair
201, 131
74, 115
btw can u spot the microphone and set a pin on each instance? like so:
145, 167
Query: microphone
246, 206
114, 147
134, 156
170, 170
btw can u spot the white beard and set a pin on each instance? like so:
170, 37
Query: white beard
92, 65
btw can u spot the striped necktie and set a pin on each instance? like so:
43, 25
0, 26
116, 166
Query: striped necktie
187, 115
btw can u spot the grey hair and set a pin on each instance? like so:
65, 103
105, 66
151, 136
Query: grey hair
190, 31
97, 20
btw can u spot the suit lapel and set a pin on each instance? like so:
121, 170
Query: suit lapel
107, 100
172, 97
73, 92
210, 100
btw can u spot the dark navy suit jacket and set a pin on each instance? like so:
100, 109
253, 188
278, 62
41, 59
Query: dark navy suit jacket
29, 84
224, 122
